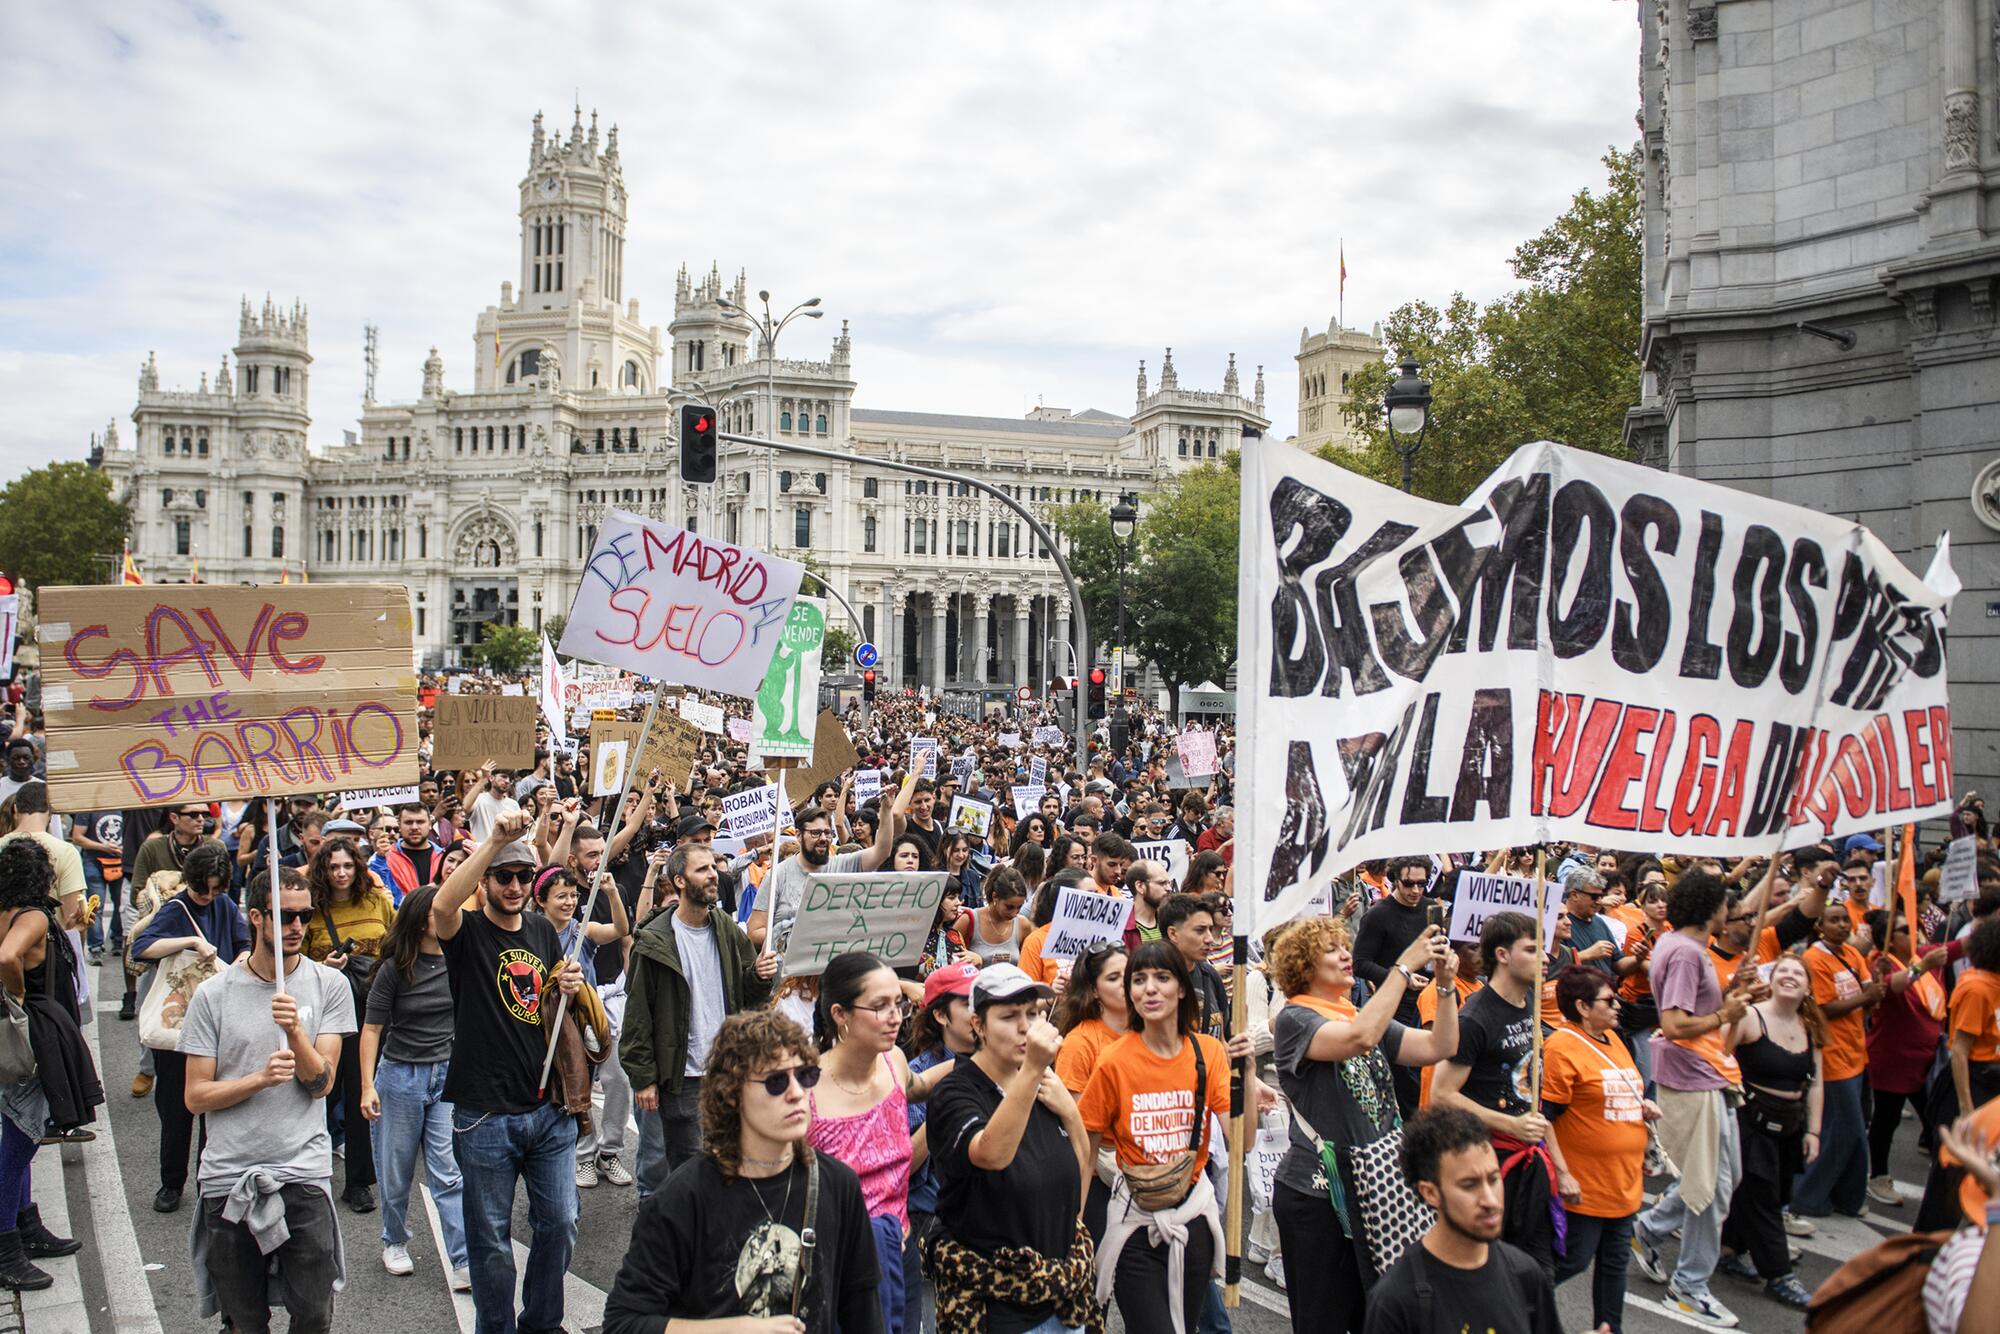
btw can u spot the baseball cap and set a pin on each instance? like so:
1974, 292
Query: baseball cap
517, 853
691, 824
954, 979
1004, 984
1865, 842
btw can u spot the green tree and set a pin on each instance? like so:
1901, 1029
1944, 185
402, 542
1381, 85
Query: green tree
837, 654
59, 525
507, 649
1180, 603
553, 627
1084, 529
1556, 360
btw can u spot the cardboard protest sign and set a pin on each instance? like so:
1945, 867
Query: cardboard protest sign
471, 730
613, 746
367, 798
1479, 896
789, 694
746, 814
974, 817
962, 767
708, 717
1197, 753
1038, 771
832, 755
672, 747
160, 693
1960, 877
886, 914
923, 756
1048, 736
678, 606
1172, 851
1027, 796
1011, 740
741, 729
1587, 651
1082, 919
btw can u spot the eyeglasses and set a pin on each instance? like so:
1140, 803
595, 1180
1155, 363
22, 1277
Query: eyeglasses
778, 1081
901, 1008
504, 876
1604, 1000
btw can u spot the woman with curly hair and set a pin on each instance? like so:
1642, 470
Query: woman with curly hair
1333, 1064
721, 1239
352, 916
38, 968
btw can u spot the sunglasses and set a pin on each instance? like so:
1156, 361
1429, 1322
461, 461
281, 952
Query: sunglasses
778, 1081
295, 916
504, 876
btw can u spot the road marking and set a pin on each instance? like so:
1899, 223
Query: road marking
461, 1301
583, 1303
1661, 1309
1268, 1298
112, 1236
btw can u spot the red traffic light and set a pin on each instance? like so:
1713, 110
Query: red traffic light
1097, 676
869, 676
702, 424
6, 585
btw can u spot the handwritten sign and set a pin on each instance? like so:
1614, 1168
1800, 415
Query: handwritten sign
1171, 851
1197, 753
1027, 797
867, 786
923, 756
974, 817
613, 745
1011, 740
1960, 877
746, 814
160, 693
740, 729
1082, 919
1048, 736
671, 747
472, 729
790, 690
368, 798
886, 914
678, 606
708, 717
1479, 896
1038, 771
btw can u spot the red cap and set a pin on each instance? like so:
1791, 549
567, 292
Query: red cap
954, 979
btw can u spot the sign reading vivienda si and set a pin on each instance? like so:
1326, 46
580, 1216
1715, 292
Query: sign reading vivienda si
160, 693
674, 605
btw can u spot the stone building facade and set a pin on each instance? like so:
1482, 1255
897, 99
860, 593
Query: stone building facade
1326, 360
1822, 247
486, 501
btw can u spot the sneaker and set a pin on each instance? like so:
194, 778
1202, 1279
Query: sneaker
1701, 1307
1275, 1271
97, 958
128, 1008
1882, 1191
1647, 1257
1799, 1227
166, 1200
1739, 1266
586, 1174
1789, 1291
396, 1259
1257, 1255
613, 1170
1792, 1251
461, 1279
361, 1199
142, 1084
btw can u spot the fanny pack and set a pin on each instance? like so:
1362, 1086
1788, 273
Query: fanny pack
1780, 1118
1157, 1186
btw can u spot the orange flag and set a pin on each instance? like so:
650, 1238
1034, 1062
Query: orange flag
284, 573
1906, 880
131, 574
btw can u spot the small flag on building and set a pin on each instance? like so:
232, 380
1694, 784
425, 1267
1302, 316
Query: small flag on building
131, 572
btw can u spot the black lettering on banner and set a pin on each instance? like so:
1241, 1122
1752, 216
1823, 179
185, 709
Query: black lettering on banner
1306, 525
1700, 659
1486, 768
1757, 600
1639, 629
1302, 834
1342, 624
1576, 632
1405, 656
1369, 806
1795, 658
1515, 561
1419, 806
1928, 659
1769, 796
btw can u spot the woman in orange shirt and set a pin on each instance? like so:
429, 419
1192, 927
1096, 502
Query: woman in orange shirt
1091, 1016
1150, 1099
1595, 1100
1972, 1028
1845, 993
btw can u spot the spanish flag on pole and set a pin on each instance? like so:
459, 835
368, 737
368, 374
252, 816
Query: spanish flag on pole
194, 567
131, 572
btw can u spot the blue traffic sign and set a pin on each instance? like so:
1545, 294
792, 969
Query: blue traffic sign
865, 655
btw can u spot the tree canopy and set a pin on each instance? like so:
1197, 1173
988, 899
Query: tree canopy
59, 524
507, 648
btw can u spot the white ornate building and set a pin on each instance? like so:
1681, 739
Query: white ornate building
485, 501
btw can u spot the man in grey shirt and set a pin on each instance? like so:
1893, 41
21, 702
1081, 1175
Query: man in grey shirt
778, 899
267, 1168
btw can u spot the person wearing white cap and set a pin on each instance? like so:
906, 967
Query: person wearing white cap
1010, 1254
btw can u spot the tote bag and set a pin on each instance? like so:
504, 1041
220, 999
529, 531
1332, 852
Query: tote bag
174, 984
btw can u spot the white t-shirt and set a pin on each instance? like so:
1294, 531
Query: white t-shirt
486, 809
701, 964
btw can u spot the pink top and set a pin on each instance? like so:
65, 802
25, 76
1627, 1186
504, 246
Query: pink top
876, 1144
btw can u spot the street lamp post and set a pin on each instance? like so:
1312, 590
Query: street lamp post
1124, 518
1407, 405
768, 328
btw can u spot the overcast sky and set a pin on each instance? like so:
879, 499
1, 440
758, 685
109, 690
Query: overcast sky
1009, 201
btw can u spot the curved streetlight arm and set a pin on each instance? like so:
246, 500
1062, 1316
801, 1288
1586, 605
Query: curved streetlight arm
1082, 624
834, 593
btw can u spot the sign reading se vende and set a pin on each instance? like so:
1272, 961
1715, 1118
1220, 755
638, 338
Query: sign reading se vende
162, 693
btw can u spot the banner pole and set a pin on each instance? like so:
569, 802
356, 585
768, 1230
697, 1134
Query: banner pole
277, 917
1239, 1118
575, 951
1535, 999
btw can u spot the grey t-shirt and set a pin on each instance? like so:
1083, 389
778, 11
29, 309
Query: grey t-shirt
701, 964
1347, 1102
785, 887
417, 1015
281, 1129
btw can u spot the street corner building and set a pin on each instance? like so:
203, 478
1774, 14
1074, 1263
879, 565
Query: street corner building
486, 501
1822, 243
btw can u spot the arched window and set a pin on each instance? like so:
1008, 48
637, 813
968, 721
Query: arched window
201, 445
785, 420
802, 527
631, 375
819, 424
1184, 446
200, 499
785, 480
600, 439
868, 533
167, 495
183, 536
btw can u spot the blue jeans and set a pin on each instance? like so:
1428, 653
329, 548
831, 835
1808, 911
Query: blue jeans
1214, 1316
1609, 1242
93, 881
494, 1151
1701, 1233
416, 1117
1838, 1178
889, 1260
670, 1136
1053, 1325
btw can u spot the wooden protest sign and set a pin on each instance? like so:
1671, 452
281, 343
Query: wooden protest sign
886, 913
474, 729
671, 747
612, 746
832, 755
162, 693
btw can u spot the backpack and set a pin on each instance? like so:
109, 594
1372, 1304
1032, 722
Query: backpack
1880, 1291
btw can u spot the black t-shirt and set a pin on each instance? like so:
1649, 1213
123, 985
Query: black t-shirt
1509, 1294
1214, 998
1385, 931
1496, 1040
498, 983
708, 1247
1030, 1202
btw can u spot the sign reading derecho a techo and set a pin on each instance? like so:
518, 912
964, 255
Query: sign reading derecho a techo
884, 913
160, 693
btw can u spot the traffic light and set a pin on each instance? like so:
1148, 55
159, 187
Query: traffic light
868, 684
698, 457
1121, 733
1096, 693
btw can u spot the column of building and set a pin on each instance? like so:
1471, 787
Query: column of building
980, 600
939, 603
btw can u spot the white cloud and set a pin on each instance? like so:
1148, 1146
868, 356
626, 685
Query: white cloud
1006, 200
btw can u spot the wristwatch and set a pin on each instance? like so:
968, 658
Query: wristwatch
1410, 979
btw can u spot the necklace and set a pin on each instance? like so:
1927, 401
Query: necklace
783, 1209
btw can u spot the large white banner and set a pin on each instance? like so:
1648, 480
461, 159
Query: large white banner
679, 607
1585, 650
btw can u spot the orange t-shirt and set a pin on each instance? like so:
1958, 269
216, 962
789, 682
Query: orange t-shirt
1975, 1009
1638, 984
1837, 977
1080, 1049
1042, 970
1603, 1134
1143, 1106
1427, 1010
1631, 914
